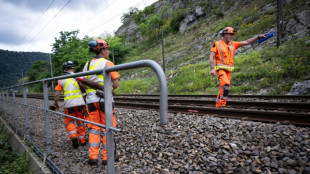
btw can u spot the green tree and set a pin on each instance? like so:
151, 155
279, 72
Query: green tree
118, 47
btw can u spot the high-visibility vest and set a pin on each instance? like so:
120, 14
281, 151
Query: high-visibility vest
72, 93
225, 62
98, 63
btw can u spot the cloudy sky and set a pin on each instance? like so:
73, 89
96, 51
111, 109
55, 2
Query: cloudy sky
33, 25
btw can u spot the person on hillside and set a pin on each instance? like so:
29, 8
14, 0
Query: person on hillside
222, 61
95, 103
74, 105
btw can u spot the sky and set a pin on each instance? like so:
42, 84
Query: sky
33, 25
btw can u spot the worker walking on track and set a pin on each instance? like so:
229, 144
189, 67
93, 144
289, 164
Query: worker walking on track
222, 61
95, 103
74, 105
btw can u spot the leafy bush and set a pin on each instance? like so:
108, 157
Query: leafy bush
10, 160
176, 20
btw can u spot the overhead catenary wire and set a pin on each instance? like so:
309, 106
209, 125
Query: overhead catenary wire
36, 22
100, 11
137, 4
49, 22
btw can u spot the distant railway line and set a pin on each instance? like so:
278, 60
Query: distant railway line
291, 109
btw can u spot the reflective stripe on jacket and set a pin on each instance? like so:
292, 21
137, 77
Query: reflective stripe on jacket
72, 93
95, 64
226, 59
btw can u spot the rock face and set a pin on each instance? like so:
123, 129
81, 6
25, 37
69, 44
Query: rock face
299, 26
300, 88
191, 19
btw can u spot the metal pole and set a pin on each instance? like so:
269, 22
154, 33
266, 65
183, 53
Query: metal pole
15, 114
47, 119
279, 21
113, 56
52, 72
22, 75
1, 102
163, 50
3, 107
163, 110
109, 120
8, 103
26, 111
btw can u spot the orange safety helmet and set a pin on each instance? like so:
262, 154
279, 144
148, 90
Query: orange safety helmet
97, 45
228, 30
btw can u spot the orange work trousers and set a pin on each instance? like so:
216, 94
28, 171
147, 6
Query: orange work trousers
222, 96
96, 114
77, 111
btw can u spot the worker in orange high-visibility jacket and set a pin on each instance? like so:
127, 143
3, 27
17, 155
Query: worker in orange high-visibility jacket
222, 61
74, 105
95, 103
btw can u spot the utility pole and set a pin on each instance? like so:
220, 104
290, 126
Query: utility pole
113, 56
22, 75
279, 22
52, 72
163, 50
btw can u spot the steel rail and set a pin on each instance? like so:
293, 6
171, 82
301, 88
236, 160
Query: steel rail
201, 107
251, 104
230, 96
255, 115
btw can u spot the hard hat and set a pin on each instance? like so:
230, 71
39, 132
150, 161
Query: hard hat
67, 65
228, 30
98, 44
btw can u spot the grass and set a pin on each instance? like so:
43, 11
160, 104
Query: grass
272, 68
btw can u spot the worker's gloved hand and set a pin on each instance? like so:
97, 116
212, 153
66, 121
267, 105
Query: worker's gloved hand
79, 79
56, 106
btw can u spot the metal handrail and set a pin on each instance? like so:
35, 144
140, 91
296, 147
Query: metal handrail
107, 100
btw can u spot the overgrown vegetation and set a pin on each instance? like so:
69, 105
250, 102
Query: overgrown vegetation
187, 68
69, 47
10, 160
275, 69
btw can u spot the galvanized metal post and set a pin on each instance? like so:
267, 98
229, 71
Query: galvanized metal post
3, 108
15, 114
1, 102
47, 119
109, 120
8, 103
163, 48
26, 112
163, 110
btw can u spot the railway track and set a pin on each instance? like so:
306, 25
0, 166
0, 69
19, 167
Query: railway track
279, 108
189, 143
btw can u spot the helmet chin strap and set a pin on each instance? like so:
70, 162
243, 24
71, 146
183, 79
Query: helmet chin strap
67, 72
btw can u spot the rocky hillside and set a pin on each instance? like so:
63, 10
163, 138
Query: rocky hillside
198, 22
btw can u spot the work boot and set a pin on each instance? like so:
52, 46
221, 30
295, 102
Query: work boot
116, 159
92, 161
116, 156
75, 142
